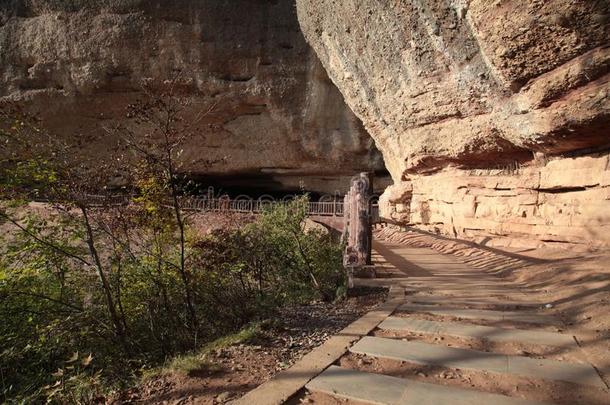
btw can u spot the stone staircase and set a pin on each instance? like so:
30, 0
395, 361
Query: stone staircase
462, 336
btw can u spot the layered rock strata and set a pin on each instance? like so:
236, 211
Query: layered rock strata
563, 200
458, 92
275, 115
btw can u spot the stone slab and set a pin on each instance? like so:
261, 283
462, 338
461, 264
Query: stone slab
468, 301
480, 314
457, 286
385, 390
451, 357
490, 333
359, 386
286, 383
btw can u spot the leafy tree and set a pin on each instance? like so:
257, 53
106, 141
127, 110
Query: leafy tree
97, 283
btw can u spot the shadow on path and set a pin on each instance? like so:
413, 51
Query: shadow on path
400, 263
497, 251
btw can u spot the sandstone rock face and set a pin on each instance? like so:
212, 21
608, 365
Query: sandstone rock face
276, 115
446, 87
566, 200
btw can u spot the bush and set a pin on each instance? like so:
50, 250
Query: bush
268, 263
52, 307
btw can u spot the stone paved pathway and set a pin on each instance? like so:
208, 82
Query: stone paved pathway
448, 299
466, 330
467, 313
381, 389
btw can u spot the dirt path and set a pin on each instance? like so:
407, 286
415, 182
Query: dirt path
479, 324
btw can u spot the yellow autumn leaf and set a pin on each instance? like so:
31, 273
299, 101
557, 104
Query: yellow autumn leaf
87, 360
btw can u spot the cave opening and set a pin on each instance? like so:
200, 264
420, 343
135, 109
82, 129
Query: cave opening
263, 185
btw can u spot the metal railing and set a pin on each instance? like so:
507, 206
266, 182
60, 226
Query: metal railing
242, 206
251, 206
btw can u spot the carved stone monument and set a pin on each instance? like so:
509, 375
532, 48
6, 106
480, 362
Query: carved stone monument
357, 229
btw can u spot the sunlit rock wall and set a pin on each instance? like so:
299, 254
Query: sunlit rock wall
449, 87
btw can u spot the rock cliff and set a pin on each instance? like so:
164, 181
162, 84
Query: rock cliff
492, 115
276, 115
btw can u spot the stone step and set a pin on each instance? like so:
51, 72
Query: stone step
385, 390
467, 301
490, 333
456, 287
479, 314
451, 357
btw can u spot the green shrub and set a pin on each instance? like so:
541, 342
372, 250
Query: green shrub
52, 306
268, 263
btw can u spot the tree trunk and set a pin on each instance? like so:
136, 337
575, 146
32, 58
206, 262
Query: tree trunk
181, 229
115, 318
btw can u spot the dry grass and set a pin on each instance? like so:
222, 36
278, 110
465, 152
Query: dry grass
187, 364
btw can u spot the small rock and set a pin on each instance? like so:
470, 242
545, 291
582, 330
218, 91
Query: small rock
600, 18
222, 397
363, 362
501, 51
447, 375
558, 19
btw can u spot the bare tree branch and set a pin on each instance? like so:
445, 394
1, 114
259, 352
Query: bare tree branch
44, 241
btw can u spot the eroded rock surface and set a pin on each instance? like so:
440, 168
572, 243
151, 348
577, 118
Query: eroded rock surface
562, 200
449, 86
275, 114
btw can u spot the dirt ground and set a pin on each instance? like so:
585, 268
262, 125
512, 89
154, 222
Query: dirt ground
237, 369
577, 286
